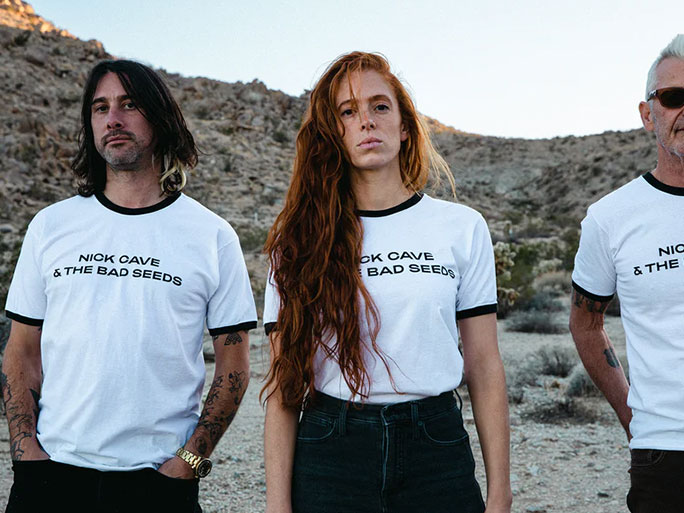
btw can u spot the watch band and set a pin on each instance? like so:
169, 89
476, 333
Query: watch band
201, 466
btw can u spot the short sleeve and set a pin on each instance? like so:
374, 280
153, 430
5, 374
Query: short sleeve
26, 299
594, 275
477, 289
231, 308
271, 304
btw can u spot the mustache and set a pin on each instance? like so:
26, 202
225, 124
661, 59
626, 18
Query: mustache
117, 133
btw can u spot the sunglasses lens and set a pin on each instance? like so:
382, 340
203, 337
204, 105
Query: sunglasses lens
672, 98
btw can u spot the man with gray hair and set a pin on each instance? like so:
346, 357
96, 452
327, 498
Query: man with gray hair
632, 244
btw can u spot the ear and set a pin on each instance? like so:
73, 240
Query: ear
404, 133
646, 116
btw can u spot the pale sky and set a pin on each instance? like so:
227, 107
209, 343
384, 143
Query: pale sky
507, 68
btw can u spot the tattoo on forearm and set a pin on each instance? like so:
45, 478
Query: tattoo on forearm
220, 409
611, 358
587, 304
231, 339
20, 419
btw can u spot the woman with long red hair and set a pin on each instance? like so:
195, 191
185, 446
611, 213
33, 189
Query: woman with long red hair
372, 282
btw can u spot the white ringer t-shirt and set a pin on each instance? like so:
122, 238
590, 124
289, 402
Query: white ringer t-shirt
632, 243
123, 296
426, 263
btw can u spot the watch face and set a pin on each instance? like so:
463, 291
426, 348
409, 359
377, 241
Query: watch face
204, 468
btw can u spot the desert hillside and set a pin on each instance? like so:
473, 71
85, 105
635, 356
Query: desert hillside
533, 190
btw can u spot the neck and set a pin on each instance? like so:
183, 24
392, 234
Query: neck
133, 189
670, 169
377, 190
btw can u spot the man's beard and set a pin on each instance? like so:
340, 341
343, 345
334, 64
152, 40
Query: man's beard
128, 159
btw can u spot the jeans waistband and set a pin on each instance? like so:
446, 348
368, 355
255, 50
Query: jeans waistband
410, 410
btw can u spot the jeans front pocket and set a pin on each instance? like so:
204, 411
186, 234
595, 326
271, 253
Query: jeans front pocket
645, 458
444, 429
316, 427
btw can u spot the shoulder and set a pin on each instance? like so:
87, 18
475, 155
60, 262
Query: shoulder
451, 211
620, 201
62, 211
201, 218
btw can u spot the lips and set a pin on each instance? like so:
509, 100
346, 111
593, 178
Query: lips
369, 143
116, 137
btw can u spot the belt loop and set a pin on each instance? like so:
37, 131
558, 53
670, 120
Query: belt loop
460, 401
343, 418
414, 419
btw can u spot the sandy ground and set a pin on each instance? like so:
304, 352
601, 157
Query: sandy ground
560, 467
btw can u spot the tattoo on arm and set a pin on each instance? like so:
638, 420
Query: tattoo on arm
611, 358
220, 409
587, 304
21, 420
231, 339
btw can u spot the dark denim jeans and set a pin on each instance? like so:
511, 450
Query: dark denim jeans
50, 486
405, 457
657, 481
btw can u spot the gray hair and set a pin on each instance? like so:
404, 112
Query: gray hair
674, 49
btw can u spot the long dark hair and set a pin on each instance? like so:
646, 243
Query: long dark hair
314, 246
174, 142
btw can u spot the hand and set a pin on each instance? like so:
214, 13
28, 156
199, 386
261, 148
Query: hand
32, 452
177, 468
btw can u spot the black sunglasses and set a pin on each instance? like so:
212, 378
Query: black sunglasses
669, 97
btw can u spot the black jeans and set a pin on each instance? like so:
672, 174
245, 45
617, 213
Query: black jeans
50, 486
406, 457
657, 481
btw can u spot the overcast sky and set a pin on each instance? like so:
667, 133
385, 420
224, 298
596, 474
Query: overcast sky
515, 69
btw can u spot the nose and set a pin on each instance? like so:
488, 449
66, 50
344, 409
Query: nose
114, 119
367, 122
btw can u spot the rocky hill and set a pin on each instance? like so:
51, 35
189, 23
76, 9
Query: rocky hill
525, 188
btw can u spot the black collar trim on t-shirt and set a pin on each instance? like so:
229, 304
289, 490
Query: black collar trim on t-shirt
677, 191
393, 210
136, 211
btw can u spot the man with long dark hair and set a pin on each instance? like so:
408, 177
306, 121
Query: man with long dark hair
103, 372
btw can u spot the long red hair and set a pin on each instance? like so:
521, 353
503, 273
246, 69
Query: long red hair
314, 246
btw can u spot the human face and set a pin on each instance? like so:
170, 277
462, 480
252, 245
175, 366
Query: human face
123, 137
667, 124
371, 127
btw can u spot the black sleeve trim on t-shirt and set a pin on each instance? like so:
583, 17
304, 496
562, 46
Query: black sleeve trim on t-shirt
474, 312
22, 319
269, 327
243, 326
595, 297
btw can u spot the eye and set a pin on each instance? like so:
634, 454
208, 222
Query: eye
346, 113
381, 107
129, 105
99, 108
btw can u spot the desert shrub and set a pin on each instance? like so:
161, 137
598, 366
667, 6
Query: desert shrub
542, 301
556, 360
556, 282
555, 409
535, 321
580, 384
252, 237
280, 137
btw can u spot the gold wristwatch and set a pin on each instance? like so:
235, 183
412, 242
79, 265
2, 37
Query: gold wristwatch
201, 466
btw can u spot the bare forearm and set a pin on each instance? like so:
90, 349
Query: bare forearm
231, 378
21, 382
603, 366
487, 389
280, 433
